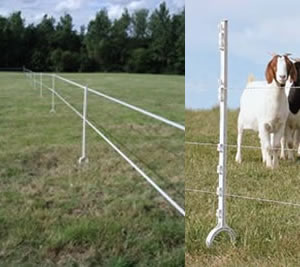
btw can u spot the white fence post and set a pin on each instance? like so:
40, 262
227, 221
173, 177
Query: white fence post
83, 157
222, 147
53, 90
34, 83
41, 84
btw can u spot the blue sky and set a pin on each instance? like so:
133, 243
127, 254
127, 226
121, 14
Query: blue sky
82, 11
256, 28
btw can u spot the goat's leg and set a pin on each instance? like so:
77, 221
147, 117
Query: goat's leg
264, 136
277, 137
238, 157
290, 143
282, 144
297, 141
263, 152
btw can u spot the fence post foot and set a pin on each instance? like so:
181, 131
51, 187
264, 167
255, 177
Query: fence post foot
218, 229
83, 160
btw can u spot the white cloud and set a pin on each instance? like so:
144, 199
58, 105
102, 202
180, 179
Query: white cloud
29, 1
254, 42
4, 12
255, 29
82, 11
135, 5
175, 4
69, 5
121, 2
115, 11
36, 18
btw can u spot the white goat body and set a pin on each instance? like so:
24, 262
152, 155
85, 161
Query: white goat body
264, 108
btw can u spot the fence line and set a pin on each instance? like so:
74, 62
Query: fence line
145, 176
233, 146
241, 89
150, 114
221, 190
246, 197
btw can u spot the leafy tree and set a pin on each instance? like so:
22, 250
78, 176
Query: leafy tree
178, 38
43, 37
119, 42
140, 24
97, 38
137, 42
14, 35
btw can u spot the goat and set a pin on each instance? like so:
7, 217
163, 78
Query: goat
292, 128
264, 108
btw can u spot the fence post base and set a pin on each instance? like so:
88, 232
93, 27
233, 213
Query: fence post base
83, 160
218, 229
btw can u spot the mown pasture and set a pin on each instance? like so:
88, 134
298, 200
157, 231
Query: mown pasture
54, 212
267, 233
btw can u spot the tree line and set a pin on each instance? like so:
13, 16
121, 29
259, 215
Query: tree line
140, 42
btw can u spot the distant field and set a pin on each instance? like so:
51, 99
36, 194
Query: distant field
268, 234
54, 212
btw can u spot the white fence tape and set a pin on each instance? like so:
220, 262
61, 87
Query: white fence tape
145, 176
169, 122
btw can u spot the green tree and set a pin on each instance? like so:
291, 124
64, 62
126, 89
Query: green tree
97, 39
140, 24
43, 35
178, 38
161, 43
137, 42
13, 31
119, 42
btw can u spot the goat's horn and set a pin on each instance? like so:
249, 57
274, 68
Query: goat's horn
287, 54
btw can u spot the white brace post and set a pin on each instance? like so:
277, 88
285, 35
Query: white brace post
83, 157
41, 84
222, 148
53, 89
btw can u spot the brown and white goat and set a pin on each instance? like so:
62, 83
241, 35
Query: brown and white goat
264, 108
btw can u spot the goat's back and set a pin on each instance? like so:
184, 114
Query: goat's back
262, 103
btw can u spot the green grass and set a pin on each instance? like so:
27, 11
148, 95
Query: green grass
268, 234
54, 212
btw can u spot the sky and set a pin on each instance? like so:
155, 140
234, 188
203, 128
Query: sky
82, 11
256, 29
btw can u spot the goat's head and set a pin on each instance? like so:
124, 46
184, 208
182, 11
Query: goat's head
279, 69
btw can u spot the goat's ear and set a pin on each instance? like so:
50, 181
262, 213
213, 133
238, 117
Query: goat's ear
270, 74
293, 73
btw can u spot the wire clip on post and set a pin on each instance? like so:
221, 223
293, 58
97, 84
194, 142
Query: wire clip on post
221, 91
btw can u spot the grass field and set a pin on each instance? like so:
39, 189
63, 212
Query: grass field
268, 233
54, 212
